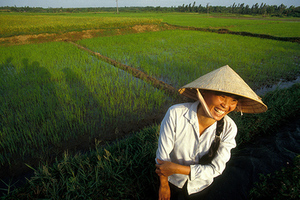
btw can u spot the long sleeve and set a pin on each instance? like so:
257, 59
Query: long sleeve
218, 164
166, 138
180, 142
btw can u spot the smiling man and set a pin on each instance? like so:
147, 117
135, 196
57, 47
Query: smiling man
196, 138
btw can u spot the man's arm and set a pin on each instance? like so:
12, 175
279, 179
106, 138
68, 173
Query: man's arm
164, 188
166, 168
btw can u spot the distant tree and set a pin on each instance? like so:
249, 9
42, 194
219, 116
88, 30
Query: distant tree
247, 9
281, 9
193, 7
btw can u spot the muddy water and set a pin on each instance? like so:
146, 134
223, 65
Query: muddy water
281, 85
265, 155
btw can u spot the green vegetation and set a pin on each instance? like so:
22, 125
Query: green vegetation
256, 9
55, 98
283, 184
22, 24
192, 53
125, 170
53, 92
280, 109
35, 23
269, 26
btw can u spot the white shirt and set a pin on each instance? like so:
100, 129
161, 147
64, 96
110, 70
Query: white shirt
180, 142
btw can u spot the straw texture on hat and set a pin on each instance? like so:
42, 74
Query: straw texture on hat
226, 80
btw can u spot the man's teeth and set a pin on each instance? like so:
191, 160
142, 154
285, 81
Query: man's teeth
221, 112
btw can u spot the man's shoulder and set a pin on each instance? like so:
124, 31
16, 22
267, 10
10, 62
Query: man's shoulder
181, 106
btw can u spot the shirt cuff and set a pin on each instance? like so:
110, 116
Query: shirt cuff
192, 175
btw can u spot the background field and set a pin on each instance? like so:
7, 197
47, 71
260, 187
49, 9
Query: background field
56, 97
20, 24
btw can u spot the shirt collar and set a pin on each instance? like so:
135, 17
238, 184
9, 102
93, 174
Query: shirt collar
191, 113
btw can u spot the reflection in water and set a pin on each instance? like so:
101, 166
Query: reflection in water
281, 85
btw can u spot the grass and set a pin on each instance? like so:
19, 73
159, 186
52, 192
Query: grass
26, 24
125, 169
54, 96
282, 104
54, 92
68, 94
283, 184
253, 24
189, 54
29, 23
291, 28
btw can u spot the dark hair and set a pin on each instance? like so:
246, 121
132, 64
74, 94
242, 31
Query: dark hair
227, 94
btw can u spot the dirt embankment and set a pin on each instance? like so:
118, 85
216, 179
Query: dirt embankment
85, 34
78, 35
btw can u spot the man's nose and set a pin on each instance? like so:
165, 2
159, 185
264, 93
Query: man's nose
226, 102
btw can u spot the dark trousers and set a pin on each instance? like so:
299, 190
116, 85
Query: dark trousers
181, 193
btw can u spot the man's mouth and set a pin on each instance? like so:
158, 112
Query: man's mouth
219, 111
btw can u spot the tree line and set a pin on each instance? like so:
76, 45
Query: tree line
243, 9
256, 9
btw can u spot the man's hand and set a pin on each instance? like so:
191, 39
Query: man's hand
165, 168
164, 190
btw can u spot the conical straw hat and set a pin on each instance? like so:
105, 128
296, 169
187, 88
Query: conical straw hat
226, 80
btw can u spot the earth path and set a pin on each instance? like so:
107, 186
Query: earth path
133, 71
78, 35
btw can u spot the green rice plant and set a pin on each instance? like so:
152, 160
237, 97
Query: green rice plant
177, 56
125, 169
28, 23
282, 105
53, 93
271, 26
291, 28
283, 184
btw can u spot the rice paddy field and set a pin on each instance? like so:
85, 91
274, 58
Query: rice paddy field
55, 97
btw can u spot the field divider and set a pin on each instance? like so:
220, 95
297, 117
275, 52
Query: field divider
133, 71
242, 33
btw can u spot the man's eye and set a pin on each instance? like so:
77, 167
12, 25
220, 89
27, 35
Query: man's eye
234, 101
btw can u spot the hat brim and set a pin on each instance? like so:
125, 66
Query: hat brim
246, 104
226, 80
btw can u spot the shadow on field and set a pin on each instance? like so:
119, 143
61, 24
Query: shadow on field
26, 104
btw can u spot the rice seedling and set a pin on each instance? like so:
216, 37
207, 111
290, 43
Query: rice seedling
125, 169
177, 56
21, 24
270, 26
53, 95
53, 92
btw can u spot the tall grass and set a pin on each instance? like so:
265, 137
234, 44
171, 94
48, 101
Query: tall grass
53, 92
177, 56
271, 26
28, 23
283, 184
282, 105
291, 28
22, 24
125, 170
